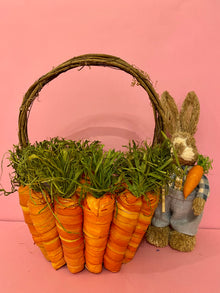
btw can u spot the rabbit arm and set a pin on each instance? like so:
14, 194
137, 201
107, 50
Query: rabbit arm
203, 188
201, 196
198, 205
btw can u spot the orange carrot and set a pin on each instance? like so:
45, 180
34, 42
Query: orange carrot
69, 225
123, 225
192, 179
24, 196
98, 213
149, 204
44, 223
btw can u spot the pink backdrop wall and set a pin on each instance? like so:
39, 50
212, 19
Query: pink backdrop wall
175, 42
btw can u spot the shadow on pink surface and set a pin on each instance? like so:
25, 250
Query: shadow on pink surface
24, 269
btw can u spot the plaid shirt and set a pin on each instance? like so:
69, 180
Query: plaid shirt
202, 188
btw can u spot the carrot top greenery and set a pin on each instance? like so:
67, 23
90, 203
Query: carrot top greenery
146, 169
51, 165
205, 162
60, 167
101, 170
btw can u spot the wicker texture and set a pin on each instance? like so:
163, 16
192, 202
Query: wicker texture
90, 60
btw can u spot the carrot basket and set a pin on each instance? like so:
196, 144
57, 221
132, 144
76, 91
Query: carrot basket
95, 231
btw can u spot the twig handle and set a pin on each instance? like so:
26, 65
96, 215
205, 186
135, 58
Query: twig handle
89, 60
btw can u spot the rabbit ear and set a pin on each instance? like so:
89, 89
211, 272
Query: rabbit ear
189, 114
171, 113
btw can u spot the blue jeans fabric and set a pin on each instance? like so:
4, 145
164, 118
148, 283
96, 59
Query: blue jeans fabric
179, 213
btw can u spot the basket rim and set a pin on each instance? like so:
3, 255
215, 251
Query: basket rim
90, 60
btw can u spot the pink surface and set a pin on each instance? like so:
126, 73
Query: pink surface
176, 42
24, 269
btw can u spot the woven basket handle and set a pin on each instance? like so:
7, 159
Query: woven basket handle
89, 60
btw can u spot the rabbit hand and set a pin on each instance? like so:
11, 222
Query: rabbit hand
198, 206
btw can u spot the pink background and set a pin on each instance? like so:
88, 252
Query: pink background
175, 42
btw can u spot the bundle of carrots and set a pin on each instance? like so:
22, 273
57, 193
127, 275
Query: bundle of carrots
131, 220
87, 206
65, 175
64, 172
144, 169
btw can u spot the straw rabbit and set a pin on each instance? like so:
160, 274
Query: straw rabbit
178, 225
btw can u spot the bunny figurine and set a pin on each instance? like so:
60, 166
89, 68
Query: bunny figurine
178, 225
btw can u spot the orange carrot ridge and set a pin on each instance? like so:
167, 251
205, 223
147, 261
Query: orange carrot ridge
24, 197
69, 222
98, 213
44, 222
149, 204
125, 219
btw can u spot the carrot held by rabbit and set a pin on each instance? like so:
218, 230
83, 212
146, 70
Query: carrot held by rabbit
192, 180
194, 176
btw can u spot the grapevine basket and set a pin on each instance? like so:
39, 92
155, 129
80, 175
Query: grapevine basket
56, 242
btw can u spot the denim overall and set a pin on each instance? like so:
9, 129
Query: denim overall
179, 213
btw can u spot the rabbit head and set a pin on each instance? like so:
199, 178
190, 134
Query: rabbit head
181, 126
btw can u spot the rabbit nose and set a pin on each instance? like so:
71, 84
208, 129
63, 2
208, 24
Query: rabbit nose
179, 147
